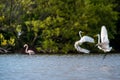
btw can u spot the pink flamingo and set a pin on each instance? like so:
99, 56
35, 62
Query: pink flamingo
30, 52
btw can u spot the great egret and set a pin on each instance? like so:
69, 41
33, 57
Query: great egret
30, 52
104, 44
82, 40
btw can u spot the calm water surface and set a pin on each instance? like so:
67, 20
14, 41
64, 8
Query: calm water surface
55, 67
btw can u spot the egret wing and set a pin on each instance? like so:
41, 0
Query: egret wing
79, 49
104, 35
83, 50
87, 39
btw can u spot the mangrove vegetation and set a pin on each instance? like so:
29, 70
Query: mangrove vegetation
52, 26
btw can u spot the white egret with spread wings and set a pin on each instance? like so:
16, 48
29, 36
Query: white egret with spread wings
103, 41
81, 41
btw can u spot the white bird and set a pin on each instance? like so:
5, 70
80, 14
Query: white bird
30, 52
19, 34
104, 44
82, 40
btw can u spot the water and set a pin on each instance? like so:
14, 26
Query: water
55, 67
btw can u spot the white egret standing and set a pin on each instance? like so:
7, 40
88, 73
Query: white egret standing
103, 42
82, 40
30, 52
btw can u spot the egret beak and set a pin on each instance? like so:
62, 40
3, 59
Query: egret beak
82, 32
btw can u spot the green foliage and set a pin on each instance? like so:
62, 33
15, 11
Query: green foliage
53, 25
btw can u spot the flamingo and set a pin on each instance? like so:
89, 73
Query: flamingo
30, 52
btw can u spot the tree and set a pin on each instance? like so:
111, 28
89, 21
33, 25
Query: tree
52, 25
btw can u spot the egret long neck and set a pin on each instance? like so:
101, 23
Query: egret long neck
80, 34
98, 38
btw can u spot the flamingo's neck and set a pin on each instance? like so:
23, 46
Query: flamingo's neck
26, 50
